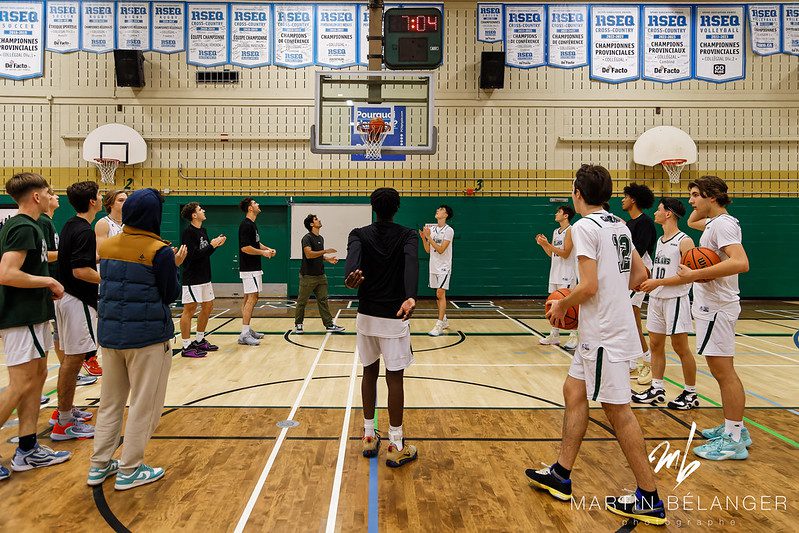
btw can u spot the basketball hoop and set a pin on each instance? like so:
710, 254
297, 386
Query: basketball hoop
673, 168
107, 168
373, 133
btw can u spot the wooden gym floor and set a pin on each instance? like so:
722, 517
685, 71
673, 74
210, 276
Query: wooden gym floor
483, 404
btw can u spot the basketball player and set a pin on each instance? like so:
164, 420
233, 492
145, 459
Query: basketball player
636, 198
197, 286
76, 312
382, 263
250, 253
716, 308
25, 314
669, 311
608, 267
111, 224
437, 242
562, 272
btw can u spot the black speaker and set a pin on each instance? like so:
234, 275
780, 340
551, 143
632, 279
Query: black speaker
492, 70
129, 68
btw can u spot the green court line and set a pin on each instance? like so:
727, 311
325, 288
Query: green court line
748, 420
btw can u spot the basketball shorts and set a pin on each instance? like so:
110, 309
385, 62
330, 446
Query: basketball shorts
55, 330
77, 325
198, 293
23, 344
637, 298
555, 286
440, 281
252, 281
715, 337
669, 316
605, 381
388, 337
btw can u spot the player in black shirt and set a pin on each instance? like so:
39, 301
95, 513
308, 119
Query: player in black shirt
250, 252
197, 287
638, 197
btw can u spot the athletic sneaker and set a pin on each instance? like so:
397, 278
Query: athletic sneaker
644, 373
44, 400
684, 402
4, 473
40, 456
722, 448
255, 335
83, 416
550, 340
298, 329
141, 476
333, 328
192, 351
650, 396
85, 380
396, 458
571, 344
718, 431
371, 445
72, 430
633, 506
92, 367
437, 330
248, 340
98, 475
445, 324
205, 346
546, 479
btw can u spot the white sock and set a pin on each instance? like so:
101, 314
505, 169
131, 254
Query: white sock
65, 417
555, 332
734, 428
691, 389
200, 336
395, 436
648, 356
368, 428
657, 384
633, 364
245, 329
186, 343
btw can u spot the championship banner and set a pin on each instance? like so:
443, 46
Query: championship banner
21, 40
615, 43
525, 39
133, 26
336, 35
489, 23
668, 43
294, 35
63, 26
207, 34
169, 27
250, 35
97, 26
790, 29
765, 22
567, 36
720, 54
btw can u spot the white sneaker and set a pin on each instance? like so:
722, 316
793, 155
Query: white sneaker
437, 330
571, 344
445, 324
550, 339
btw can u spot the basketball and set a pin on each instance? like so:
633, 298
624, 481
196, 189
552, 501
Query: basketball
699, 257
570, 320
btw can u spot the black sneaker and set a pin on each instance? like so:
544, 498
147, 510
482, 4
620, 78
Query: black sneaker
546, 479
633, 506
333, 328
650, 396
298, 329
684, 402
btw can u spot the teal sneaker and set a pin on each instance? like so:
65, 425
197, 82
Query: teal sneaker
722, 448
718, 431
97, 475
141, 476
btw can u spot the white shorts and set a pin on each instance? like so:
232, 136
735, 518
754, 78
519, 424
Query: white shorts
252, 281
440, 281
198, 293
715, 337
77, 325
605, 381
388, 337
555, 286
637, 298
669, 316
23, 344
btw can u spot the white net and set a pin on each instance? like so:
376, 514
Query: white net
673, 168
372, 137
107, 168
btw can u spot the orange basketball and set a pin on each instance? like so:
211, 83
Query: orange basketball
570, 320
699, 258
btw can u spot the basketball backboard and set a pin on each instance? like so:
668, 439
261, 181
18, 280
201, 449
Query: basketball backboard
115, 141
343, 99
662, 143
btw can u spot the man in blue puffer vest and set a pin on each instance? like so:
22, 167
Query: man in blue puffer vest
135, 329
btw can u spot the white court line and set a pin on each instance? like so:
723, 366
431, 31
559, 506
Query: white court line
518, 323
762, 350
219, 314
761, 339
342, 448
245, 516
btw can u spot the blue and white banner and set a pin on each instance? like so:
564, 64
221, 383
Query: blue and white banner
336, 35
133, 26
63, 26
765, 22
615, 43
169, 27
668, 43
21, 40
363, 45
391, 114
207, 34
489, 23
250, 35
567, 36
97, 23
790, 29
720, 43
294, 35
525, 35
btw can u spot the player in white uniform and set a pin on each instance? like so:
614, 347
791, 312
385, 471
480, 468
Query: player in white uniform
437, 241
608, 267
111, 224
669, 311
563, 269
716, 308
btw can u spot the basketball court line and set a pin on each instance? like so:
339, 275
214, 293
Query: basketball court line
762, 350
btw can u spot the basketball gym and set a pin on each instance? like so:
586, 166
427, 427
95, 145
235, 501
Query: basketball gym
489, 108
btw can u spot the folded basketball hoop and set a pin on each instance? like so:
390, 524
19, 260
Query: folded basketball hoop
107, 168
373, 133
673, 168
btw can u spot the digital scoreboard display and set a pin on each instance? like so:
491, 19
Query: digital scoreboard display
414, 24
414, 38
